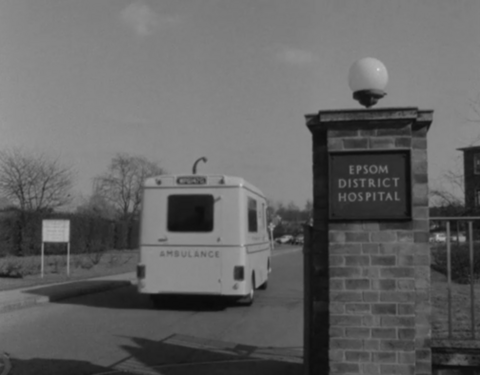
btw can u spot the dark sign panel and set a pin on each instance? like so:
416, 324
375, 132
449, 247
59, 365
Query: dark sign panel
370, 185
191, 180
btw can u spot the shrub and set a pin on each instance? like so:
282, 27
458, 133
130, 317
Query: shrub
460, 262
95, 257
11, 267
95, 246
83, 262
31, 266
56, 263
127, 258
113, 260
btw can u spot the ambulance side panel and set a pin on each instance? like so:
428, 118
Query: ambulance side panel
258, 250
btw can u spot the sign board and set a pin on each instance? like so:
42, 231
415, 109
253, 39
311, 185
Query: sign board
56, 231
191, 180
370, 185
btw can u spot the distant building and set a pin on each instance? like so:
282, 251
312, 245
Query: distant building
471, 175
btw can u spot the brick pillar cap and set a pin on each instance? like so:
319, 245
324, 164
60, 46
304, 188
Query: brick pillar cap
359, 118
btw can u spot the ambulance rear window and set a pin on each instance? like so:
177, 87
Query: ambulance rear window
190, 213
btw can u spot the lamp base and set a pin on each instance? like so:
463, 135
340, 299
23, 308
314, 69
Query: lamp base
368, 98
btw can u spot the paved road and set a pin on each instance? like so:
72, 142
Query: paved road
121, 330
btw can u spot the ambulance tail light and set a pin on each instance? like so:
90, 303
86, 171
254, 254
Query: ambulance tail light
141, 271
239, 273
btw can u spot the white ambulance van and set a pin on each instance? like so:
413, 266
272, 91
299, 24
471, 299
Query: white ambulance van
205, 235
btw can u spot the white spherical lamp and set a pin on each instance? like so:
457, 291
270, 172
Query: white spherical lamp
367, 79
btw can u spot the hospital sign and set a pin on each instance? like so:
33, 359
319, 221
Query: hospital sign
369, 185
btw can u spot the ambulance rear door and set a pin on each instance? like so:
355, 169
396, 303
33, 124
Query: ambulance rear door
182, 229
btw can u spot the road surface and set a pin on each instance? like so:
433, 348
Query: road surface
121, 330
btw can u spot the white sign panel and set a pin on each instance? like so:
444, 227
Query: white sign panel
56, 231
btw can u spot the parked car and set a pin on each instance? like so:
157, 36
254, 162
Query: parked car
286, 238
441, 237
298, 240
438, 237
461, 237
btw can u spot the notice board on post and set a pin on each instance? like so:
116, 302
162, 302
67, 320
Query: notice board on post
370, 185
56, 231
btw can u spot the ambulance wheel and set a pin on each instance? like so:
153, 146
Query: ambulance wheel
249, 298
158, 300
264, 286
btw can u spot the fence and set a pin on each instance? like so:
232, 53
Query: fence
454, 241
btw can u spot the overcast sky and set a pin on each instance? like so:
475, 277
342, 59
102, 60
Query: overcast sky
174, 80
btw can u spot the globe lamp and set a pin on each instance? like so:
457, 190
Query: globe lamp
367, 79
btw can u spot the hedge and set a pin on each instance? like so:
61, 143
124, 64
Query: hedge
22, 234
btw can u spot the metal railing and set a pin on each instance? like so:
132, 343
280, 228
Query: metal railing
469, 238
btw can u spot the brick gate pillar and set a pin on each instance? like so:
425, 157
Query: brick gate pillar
368, 263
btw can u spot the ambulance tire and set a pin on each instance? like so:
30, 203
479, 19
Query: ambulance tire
158, 300
250, 297
264, 286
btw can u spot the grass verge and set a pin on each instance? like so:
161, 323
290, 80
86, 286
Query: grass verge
21, 272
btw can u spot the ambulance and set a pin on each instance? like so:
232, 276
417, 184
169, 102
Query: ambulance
203, 235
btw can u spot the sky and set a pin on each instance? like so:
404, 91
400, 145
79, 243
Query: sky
175, 80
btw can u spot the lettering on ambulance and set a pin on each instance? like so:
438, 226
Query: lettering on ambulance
190, 253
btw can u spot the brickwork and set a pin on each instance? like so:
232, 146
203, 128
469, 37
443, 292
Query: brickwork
370, 280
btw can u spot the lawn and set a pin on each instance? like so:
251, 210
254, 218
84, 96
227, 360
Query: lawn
461, 321
25, 271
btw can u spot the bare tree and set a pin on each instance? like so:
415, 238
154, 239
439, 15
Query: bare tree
96, 205
34, 183
449, 190
121, 185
